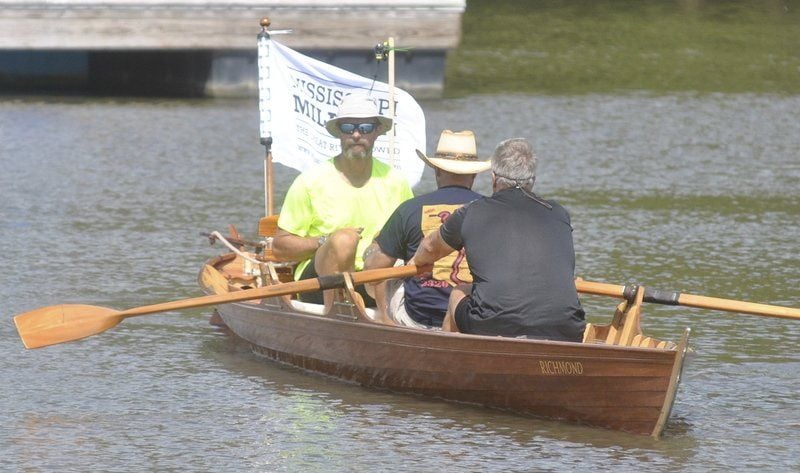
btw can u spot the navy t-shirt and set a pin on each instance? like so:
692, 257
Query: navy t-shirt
426, 296
522, 259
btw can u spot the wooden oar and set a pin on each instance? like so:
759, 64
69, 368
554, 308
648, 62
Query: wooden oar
68, 322
688, 300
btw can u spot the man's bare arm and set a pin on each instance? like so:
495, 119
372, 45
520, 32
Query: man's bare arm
431, 249
290, 247
374, 257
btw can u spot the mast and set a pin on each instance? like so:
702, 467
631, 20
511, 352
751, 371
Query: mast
264, 110
392, 132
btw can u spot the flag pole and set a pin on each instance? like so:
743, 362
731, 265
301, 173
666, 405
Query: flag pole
391, 101
263, 97
268, 177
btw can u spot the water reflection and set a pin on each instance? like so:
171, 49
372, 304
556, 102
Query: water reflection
304, 403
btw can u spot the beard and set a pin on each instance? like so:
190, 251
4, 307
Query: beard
357, 151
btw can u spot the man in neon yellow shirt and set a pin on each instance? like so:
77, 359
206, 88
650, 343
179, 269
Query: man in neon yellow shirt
333, 211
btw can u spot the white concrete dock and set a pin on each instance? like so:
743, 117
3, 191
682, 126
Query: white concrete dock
225, 31
225, 24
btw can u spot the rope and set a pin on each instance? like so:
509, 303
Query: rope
234, 249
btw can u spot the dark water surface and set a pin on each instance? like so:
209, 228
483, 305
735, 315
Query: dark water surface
101, 202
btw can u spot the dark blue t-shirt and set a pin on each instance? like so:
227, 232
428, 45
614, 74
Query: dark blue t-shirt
426, 297
522, 260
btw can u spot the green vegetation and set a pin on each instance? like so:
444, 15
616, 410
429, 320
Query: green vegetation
587, 46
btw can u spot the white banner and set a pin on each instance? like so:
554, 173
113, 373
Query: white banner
298, 94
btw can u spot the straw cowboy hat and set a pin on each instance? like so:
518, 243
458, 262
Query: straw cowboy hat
357, 106
456, 153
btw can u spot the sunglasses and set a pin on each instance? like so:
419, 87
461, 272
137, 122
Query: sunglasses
363, 128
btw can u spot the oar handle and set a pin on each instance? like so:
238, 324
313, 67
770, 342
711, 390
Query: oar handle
306, 285
627, 292
676, 298
739, 306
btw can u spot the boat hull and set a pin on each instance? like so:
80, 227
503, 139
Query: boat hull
622, 388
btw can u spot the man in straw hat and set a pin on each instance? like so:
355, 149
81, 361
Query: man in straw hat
521, 253
332, 212
423, 299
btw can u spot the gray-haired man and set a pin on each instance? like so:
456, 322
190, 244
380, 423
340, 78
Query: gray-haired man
520, 254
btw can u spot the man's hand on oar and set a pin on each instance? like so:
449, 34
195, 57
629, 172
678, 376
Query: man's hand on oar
688, 300
64, 323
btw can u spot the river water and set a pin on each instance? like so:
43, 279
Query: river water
102, 202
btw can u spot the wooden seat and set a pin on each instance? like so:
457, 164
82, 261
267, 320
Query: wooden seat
268, 226
625, 327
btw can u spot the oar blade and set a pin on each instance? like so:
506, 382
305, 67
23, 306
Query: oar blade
63, 323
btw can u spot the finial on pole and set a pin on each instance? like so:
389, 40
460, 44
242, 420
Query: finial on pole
266, 23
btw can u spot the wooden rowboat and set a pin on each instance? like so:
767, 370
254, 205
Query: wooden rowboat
617, 378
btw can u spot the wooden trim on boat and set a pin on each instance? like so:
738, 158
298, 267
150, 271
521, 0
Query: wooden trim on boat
600, 383
674, 380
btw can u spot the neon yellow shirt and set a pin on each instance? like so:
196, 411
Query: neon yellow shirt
320, 201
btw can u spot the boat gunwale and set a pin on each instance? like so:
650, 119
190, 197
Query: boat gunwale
275, 307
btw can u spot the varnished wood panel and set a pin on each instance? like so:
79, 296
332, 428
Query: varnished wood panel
620, 388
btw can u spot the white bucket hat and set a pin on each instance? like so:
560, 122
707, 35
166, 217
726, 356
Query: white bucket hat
456, 153
357, 106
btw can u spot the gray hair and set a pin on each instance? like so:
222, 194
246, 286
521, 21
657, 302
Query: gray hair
514, 164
